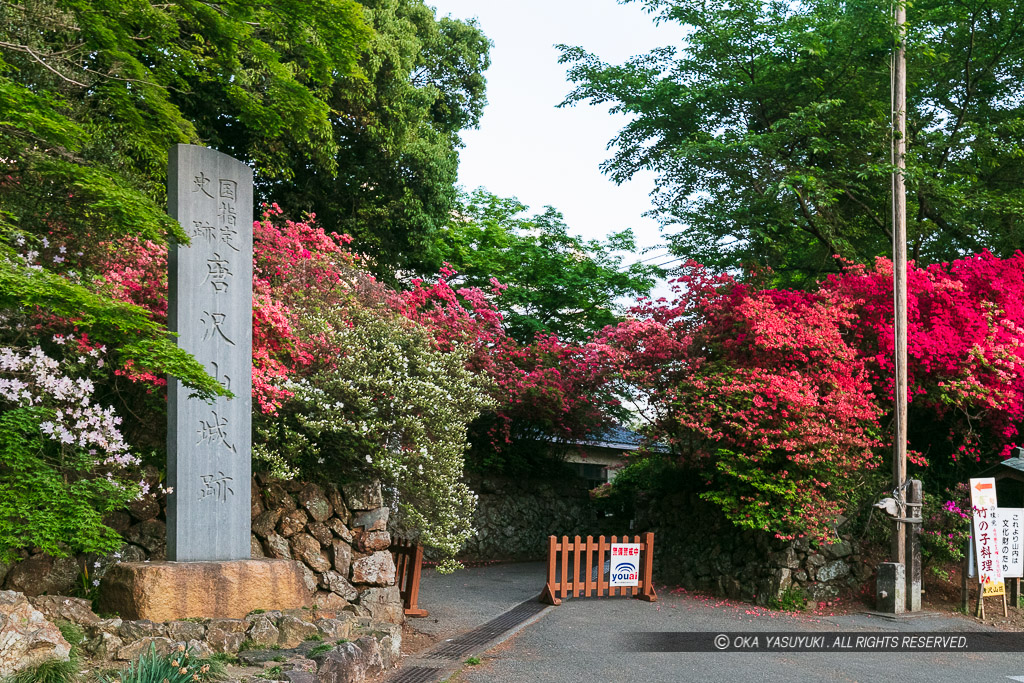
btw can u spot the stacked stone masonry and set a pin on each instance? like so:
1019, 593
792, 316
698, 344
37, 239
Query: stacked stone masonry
514, 517
696, 547
339, 535
292, 642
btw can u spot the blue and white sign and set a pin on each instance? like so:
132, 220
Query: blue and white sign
625, 564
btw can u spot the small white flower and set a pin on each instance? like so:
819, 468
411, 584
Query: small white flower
96, 565
369, 459
96, 582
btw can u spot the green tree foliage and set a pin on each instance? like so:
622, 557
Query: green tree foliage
769, 129
557, 283
92, 94
396, 128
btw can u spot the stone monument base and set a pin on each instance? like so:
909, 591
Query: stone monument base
170, 591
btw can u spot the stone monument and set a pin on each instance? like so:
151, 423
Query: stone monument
210, 308
209, 460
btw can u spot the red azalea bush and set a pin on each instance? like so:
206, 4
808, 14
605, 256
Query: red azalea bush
307, 282
778, 397
760, 390
965, 353
548, 388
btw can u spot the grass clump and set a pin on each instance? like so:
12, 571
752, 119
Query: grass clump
178, 667
793, 599
49, 671
223, 658
320, 649
73, 633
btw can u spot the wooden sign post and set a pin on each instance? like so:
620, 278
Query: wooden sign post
986, 543
1009, 522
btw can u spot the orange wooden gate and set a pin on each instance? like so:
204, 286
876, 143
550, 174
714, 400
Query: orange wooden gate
590, 555
408, 557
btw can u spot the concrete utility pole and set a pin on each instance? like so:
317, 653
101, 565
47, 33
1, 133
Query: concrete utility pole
899, 211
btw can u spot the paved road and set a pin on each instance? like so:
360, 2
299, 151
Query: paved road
469, 597
583, 639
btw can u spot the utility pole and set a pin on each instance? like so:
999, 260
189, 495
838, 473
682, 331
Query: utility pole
899, 267
899, 581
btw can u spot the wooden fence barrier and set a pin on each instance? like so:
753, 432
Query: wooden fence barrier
590, 555
408, 557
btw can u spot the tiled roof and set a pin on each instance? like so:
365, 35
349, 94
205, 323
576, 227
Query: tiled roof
614, 437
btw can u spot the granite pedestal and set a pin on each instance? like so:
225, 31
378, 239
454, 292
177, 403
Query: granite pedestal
891, 591
169, 591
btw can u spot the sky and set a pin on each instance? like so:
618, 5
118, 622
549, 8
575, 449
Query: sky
526, 146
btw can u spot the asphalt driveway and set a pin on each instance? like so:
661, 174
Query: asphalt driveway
588, 639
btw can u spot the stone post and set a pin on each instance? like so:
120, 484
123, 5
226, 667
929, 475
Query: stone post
210, 308
209, 461
891, 589
915, 499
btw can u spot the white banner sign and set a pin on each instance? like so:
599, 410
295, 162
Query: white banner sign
1009, 541
986, 535
625, 564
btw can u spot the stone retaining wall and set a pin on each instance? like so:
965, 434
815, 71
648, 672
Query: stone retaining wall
514, 517
339, 536
696, 547
300, 646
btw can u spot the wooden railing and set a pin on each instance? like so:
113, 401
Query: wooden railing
408, 557
589, 556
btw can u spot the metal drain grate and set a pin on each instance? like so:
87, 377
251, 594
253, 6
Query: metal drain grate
418, 674
471, 641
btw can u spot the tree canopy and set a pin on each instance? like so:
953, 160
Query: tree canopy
357, 105
553, 282
396, 130
769, 129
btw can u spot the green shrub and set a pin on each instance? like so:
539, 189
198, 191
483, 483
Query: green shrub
63, 462
390, 407
947, 529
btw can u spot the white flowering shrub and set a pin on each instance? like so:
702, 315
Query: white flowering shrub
63, 462
391, 407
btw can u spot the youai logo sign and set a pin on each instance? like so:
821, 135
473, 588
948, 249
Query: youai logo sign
625, 564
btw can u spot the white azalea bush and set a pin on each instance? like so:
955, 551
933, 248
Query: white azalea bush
389, 406
63, 462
